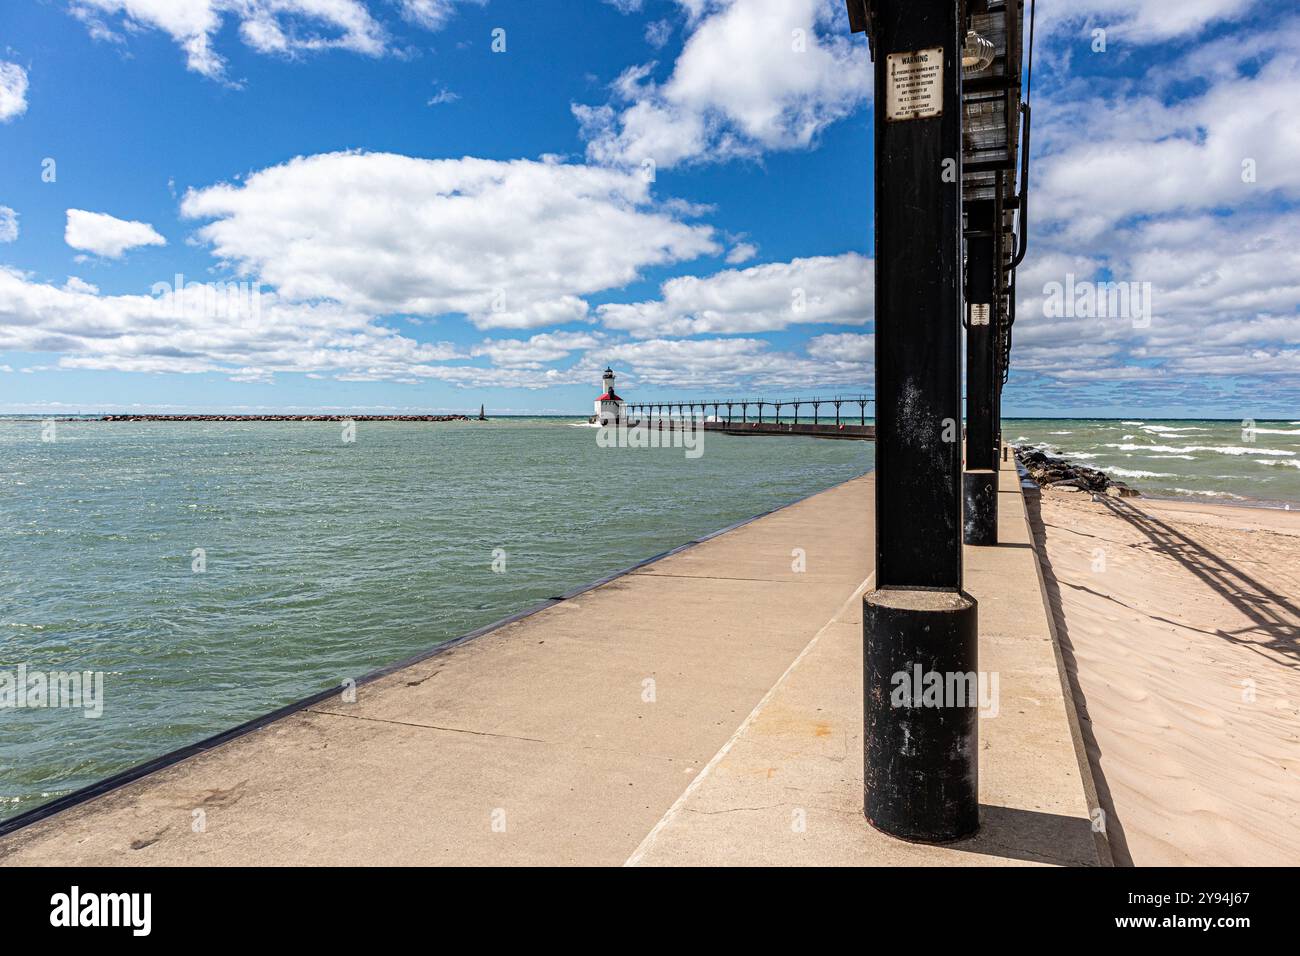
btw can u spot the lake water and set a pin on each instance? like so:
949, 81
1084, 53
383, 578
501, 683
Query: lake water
321, 559
1251, 462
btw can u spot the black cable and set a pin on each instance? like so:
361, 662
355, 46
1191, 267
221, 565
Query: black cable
1023, 238
1029, 78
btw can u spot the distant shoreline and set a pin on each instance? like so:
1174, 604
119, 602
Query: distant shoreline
281, 418
268, 417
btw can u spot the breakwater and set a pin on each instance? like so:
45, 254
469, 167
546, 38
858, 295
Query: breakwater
284, 418
1051, 472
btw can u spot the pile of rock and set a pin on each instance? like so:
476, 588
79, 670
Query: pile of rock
1051, 472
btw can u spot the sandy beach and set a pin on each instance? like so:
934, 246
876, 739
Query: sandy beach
1180, 627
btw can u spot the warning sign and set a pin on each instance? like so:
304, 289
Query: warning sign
915, 88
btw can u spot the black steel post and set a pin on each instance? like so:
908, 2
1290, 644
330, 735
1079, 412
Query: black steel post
1008, 319
980, 483
919, 627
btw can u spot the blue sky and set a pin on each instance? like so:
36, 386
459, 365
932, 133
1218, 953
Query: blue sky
678, 187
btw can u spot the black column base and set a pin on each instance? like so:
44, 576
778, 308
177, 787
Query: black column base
921, 749
980, 507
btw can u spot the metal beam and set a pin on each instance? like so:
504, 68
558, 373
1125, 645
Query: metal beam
918, 303
983, 305
921, 776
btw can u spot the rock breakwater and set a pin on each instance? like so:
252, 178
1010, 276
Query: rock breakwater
1051, 472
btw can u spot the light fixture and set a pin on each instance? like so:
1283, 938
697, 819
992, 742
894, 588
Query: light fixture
976, 53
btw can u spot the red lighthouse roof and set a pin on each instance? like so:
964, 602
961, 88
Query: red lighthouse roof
609, 396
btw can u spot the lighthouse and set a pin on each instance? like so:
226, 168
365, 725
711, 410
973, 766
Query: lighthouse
609, 407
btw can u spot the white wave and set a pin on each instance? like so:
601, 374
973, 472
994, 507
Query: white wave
1274, 461
1209, 494
583, 425
1276, 431
1184, 457
1127, 437
1079, 454
1165, 448
1060, 433
1134, 473
1170, 430
1218, 449
1237, 450
1132, 423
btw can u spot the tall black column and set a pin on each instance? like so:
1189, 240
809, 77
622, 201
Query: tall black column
980, 523
918, 626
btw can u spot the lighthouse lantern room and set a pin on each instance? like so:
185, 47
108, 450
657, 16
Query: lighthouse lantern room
609, 407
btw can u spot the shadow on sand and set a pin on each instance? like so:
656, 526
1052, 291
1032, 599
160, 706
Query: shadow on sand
1114, 827
1275, 619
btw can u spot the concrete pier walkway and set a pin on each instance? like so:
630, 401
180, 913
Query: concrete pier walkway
705, 708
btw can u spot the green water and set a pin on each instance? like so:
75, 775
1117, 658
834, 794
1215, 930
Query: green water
1244, 462
324, 559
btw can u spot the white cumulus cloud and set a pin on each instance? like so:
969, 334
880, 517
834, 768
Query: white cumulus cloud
1141, 21
235, 330
106, 235
753, 75
13, 91
537, 350
431, 14
733, 364
763, 298
284, 27
508, 244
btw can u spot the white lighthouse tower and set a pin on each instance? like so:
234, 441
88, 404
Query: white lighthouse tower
609, 407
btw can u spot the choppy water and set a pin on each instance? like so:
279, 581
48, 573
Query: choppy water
1247, 463
323, 559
